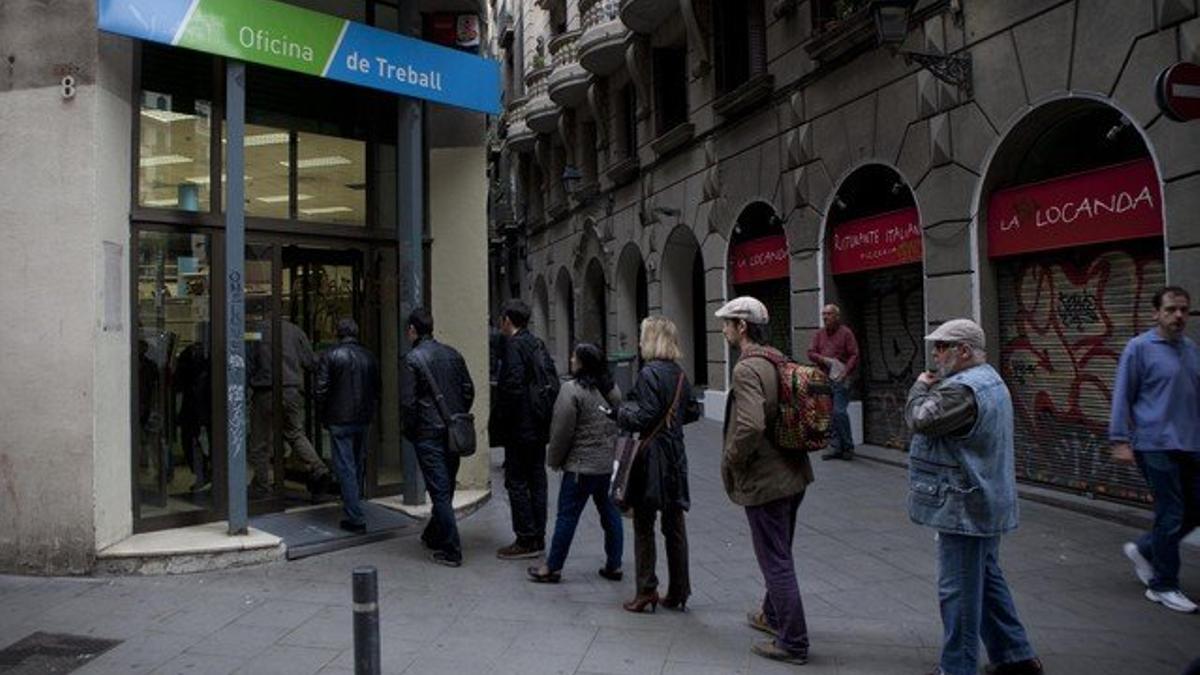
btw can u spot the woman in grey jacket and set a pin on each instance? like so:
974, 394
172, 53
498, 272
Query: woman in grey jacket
581, 446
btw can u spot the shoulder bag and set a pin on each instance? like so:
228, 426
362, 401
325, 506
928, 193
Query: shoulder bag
627, 449
460, 427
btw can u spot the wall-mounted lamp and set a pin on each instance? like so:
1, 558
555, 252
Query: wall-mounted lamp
838, 202
1112, 133
666, 211
891, 29
897, 186
571, 177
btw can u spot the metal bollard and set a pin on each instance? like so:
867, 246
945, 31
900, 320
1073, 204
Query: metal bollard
366, 621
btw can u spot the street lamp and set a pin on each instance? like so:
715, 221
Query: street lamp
571, 178
891, 29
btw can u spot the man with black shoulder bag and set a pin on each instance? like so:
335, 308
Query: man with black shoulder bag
436, 394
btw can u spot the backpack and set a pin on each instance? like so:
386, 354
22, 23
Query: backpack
805, 404
543, 386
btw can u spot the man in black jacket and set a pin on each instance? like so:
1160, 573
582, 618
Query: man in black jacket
425, 427
347, 391
524, 438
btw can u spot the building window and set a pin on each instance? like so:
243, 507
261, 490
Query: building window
175, 128
628, 122
739, 43
670, 87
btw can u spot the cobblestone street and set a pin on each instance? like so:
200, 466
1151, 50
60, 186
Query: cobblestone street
867, 576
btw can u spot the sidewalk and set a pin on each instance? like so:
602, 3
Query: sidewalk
867, 576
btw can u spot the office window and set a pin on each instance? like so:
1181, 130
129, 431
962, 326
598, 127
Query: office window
175, 129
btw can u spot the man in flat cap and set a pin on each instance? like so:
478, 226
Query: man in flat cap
765, 480
962, 483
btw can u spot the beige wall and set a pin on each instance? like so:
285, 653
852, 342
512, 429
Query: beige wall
458, 223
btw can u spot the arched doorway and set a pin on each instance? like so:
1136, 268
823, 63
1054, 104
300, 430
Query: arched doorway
632, 302
758, 267
683, 300
873, 256
1070, 218
563, 338
593, 320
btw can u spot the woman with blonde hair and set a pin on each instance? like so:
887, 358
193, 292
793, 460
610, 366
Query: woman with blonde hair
657, 408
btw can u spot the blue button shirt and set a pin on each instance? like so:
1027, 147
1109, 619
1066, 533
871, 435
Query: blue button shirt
1156, 398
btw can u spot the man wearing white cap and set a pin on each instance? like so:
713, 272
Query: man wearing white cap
962, 483
767, 481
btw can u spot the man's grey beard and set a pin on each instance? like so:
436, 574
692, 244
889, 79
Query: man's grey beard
943, 371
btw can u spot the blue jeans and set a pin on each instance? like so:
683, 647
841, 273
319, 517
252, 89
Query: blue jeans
573, 495
843, 439
1174, 478
349, 461
440, 469
976, 604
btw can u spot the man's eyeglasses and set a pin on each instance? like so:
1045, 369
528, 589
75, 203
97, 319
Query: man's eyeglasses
940, 346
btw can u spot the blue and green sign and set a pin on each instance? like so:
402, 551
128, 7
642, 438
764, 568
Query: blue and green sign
281, 35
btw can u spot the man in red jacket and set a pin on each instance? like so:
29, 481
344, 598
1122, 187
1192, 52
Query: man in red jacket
835, 351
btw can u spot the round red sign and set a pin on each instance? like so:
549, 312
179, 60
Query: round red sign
1178, 91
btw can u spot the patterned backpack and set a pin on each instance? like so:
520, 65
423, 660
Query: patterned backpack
805, 403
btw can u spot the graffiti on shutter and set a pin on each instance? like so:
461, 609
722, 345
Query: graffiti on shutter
890, 304
1065, 317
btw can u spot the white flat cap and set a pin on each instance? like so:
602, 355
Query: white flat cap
959, 331
745, 308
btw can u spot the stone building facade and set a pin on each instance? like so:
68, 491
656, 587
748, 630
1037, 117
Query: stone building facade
659, 156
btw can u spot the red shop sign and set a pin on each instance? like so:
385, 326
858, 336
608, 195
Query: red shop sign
875, 242
759, 259
1110, 204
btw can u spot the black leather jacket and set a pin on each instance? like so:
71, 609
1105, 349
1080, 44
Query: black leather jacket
419, 411
347, 384
513, 424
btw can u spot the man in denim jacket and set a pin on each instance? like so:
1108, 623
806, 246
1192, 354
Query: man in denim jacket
962, 483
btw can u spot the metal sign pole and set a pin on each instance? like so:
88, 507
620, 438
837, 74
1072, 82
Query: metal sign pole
235, 296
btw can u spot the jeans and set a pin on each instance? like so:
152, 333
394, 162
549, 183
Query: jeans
440, 469
772, 529
843, 440
573, 495
645, 552
976, 604
525, 482
349, 461
1174, 478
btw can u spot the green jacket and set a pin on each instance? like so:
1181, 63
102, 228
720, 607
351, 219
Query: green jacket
753, 469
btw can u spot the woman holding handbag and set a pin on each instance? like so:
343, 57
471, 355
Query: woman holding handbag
657, 408
581, 446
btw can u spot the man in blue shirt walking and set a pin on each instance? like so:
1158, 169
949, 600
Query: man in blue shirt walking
1156, 423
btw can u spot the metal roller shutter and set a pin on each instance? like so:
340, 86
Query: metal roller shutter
890, 334
1065, 317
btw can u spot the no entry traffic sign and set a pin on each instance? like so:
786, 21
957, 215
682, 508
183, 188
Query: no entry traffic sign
1178, 91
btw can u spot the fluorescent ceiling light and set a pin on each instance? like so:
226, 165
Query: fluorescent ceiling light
163, 160
279, 199
165, 116
205, 180
277, 138
174, 201
319, 162
323, 210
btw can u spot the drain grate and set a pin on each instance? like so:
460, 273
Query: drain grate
51, 653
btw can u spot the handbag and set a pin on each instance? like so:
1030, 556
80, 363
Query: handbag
460, 427
626, 450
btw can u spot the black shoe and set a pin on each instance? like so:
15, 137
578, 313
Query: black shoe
848, 454
611, 575
350, 526
536, 576
1027, 667
832, 454
443, 558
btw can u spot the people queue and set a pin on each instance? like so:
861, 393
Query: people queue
625, 453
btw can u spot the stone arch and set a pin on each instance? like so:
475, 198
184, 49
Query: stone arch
757, 259
540, 318
631, 299
593, 305
562, 319
683, 299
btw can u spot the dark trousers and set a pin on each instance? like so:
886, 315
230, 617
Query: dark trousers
772, 529
645, 552
1174, 478
440, 469
573, 495
349, 460
525, 482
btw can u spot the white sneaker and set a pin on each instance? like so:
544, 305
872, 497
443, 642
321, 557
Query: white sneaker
1141, 567
1174, 600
